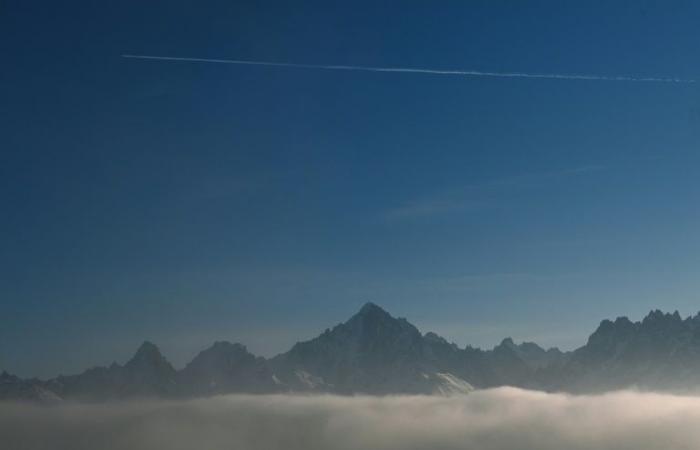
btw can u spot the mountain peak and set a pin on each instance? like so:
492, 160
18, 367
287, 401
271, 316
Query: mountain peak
658, 315
374, 352
370, 308
147, 348
220, 357
372, 315
508, 342
148, 354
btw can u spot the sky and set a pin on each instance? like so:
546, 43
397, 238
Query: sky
186, 202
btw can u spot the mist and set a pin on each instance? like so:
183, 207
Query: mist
497, 419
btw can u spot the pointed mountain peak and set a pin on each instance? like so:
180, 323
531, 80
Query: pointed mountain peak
608, 326
507, 346
657, 316
148, 348
147, 354
654, 314
370, 308
222, 357
508, 342
368, 331
373, 321
374, 315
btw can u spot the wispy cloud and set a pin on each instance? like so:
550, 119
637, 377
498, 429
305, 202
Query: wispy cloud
464, 198
414, 70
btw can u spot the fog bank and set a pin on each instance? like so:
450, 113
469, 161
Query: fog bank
497, 419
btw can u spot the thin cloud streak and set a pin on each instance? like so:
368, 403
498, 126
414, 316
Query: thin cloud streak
469, 73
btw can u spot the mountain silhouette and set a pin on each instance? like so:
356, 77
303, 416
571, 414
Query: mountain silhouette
376, 353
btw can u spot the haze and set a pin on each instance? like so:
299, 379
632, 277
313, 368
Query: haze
498, 419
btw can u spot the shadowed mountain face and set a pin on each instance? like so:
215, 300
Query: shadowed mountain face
16, 389
146, 374
660, 352
375, 353
225, 368
372, 352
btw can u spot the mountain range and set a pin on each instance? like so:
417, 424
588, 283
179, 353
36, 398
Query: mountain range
376, 353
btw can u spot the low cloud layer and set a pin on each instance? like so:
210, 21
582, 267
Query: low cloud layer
498, 419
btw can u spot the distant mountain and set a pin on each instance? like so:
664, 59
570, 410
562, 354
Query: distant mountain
146, 374
660, 352
535, 356
372, 353
226, 368
376, 353
15, 389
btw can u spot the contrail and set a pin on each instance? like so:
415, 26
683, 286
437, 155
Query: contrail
469, 73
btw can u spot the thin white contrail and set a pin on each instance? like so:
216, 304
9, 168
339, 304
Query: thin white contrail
469, 73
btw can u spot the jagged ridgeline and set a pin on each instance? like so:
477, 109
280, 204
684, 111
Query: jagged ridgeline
375, 353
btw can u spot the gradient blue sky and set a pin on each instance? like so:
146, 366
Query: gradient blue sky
185, 203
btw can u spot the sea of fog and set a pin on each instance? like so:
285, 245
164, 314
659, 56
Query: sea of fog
495, 419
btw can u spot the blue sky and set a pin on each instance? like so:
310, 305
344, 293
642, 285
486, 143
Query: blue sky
186, 203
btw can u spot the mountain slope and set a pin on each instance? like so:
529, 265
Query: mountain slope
372, 352
146, 374
662, 351
376, 353
226, 368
